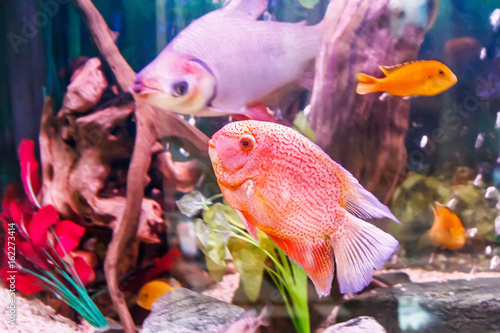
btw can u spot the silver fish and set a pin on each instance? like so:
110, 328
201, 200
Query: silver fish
227, 61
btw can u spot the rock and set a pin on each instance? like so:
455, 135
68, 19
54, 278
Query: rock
357, 325
185, 311
392, 278
470, 305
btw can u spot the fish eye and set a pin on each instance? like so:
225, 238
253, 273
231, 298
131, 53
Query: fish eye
180, 88
441, 72
247, 142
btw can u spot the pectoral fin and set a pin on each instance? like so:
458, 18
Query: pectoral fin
384, 96
315, 257
250, 227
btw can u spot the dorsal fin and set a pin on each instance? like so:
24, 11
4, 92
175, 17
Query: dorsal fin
389, 69
358, 201
252, 8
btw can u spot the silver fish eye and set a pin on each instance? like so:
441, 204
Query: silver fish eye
180, 88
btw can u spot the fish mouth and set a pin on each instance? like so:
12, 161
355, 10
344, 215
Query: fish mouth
140, 88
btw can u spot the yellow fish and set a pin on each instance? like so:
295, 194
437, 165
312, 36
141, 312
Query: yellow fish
447, 230
151, 291
419, 78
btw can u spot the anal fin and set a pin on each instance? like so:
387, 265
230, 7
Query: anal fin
359, 250
315, 257
250, 227
384, 96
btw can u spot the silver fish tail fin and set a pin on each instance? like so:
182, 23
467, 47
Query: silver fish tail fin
358, 251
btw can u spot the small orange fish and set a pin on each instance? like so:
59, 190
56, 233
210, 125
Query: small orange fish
463, 49
419, 78
280, 182
447, 230
151, 291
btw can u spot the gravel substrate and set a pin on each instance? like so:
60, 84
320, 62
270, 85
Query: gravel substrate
418, 275
34, 316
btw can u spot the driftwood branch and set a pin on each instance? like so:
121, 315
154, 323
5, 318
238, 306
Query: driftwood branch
362, 133
149, 129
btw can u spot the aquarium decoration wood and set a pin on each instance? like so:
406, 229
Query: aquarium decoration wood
148, 131
362, 133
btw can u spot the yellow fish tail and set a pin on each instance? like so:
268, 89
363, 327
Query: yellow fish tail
367, 84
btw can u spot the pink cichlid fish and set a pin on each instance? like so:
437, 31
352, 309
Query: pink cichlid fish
228, 62
280, 182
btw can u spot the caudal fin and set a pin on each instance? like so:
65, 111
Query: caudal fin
367, 84
358, 251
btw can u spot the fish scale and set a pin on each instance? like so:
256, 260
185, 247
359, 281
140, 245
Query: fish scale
286, 186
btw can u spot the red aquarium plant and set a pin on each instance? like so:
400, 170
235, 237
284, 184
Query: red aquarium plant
39, 246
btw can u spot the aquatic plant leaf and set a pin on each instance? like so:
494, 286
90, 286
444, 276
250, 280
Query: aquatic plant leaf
29, 170
216, 248
84, 271
412, 180
216, 271
27, 284
467, 193
69, 234
32, 255
232, 216
17, 207
202, 231
217, 220
302, 125
162, 264
211, 243
192, 203
250, 262
39, 225
309, 4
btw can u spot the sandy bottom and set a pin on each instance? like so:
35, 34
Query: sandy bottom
419, 275
34, 316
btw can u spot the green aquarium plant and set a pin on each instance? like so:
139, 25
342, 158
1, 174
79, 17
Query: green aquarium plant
471, 201
39, 247
221, 236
